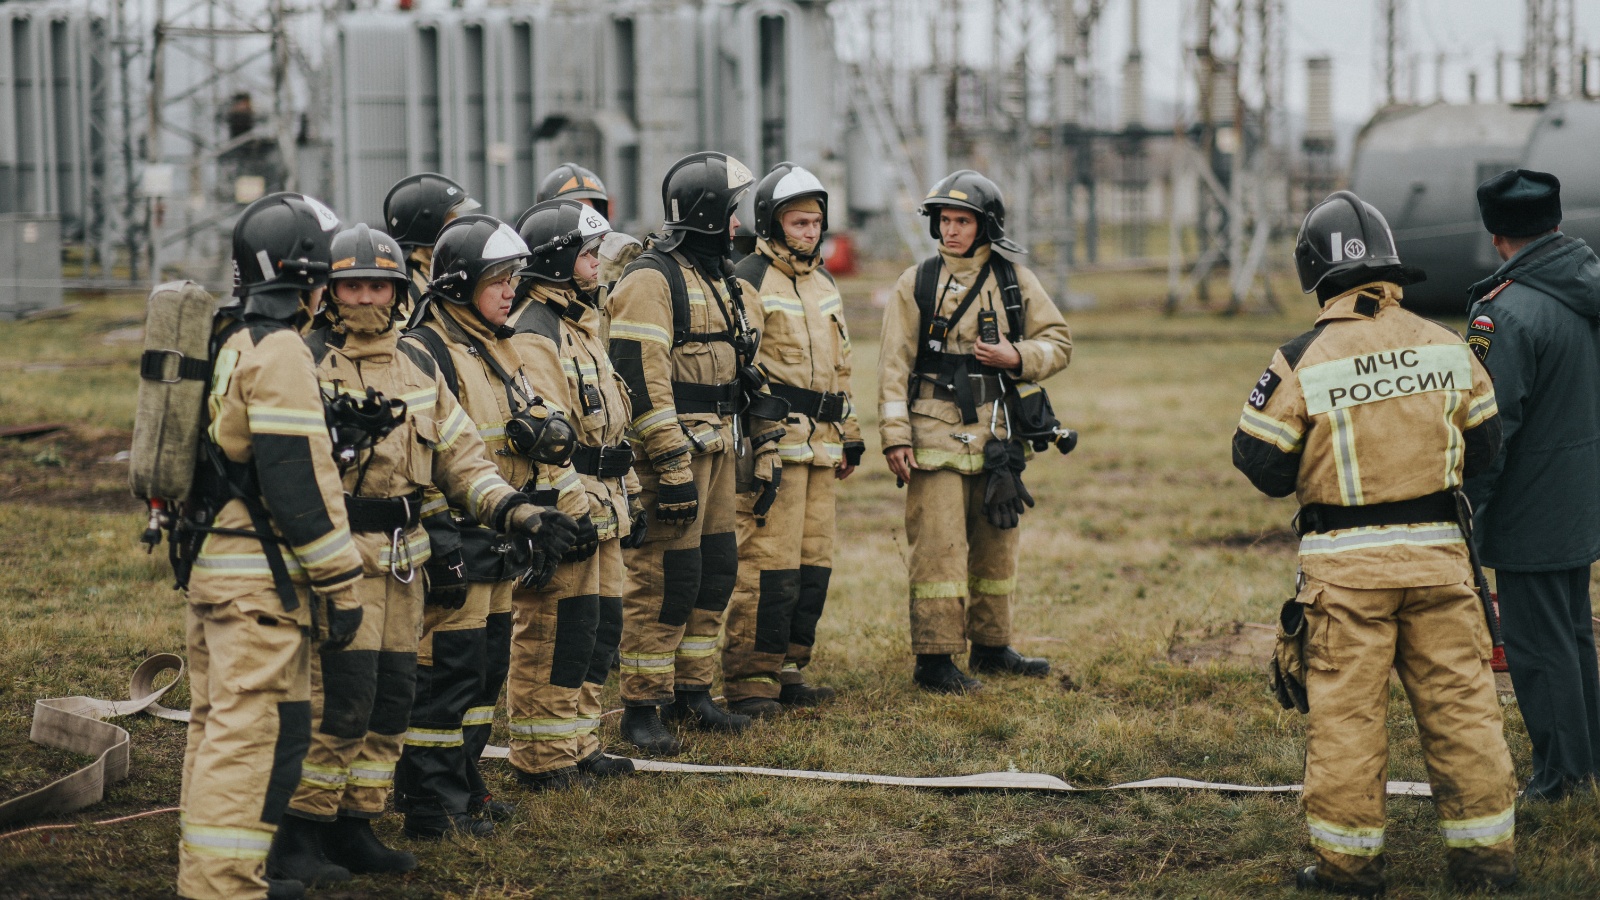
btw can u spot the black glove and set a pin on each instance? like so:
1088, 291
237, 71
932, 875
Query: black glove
343, 622
447, 580
1004, 495
586, 542
769, 494
678, 503
540, 571
1289, 659
853, 451
637, 531
551, 530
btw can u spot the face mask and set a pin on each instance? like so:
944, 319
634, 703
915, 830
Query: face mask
365, 319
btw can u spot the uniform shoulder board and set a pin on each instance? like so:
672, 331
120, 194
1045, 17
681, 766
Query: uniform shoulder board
1492, 294
539, 318
1295, 349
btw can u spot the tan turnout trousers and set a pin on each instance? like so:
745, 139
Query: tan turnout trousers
1436, 639
677, 588
249, 681
554, 697
783, 582
963, 569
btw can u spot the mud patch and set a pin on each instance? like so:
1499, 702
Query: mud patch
1243, 644
1273, 538
82, 468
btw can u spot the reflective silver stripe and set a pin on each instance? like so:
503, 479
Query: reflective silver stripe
588, 726
639, 662
428, 737
478, 715
367, 773
544, 729
894, 409
790, 667
1481, 832
320, 777
234, 843
1433, 534
1340, 839
1454, 445
1344, 457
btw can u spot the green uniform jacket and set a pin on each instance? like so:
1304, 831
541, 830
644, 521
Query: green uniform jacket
1535, 324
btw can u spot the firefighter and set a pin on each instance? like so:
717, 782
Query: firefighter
361, 694
276, 556
786, 557
681, 340
415, 210
944, 393
1372, 419
565, 635
574, 182
466, 642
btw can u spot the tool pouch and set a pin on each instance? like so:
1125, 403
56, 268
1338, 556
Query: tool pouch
1289, 657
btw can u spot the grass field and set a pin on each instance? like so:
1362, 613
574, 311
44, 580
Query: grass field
1144, 534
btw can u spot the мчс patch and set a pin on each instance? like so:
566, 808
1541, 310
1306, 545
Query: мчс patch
1400, 372
1480, 346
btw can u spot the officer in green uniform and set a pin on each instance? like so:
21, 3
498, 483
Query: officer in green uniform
1535, 323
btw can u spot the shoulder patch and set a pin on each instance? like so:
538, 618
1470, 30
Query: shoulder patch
539, 318
1296, 348
1482, 323
1264, 389
1480, 345
1491, 295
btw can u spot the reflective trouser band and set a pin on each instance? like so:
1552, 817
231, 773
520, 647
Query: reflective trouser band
754, 679
696, 646
325, 778
790, 667
1340, 839
993, 587
478, 715
1481, 832
544, 729
368, 773
588, 726
644, 663
965, 463
1373, 536
226, 843
936, 590
433, 737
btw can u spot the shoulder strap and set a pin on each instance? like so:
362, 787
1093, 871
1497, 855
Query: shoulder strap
668, 267
753, 268
1295, 349
420, 356
440, 354
927, 285
538, 317
317, 341
1005, 275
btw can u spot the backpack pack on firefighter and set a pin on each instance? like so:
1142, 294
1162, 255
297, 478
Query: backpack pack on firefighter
1031, 415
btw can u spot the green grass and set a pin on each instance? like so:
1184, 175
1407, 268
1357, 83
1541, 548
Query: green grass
1141, 534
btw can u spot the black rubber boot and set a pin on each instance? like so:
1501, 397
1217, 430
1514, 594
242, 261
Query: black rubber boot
803, 694
285, 889
755, 707
642, 727
437, 826
555, 779
351, 843
696, 709
600, 765
485, 806
1007, 661
938, 673
297, 854
1306, 880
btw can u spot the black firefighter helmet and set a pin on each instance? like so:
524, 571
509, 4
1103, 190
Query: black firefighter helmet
967, 189
700, 193
469, 251
415, 209
362, 252
1345, 242
557, 232
281, 250
571, 181
786, 183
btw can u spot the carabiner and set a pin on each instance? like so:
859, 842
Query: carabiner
995, 412
397, 541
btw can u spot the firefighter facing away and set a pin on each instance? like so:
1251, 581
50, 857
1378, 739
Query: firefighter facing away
565, 634
786, 556
362, 693
1372, 419
415, 210
962, 333
280, 557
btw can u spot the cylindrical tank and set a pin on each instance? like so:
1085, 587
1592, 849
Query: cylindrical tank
1421, 167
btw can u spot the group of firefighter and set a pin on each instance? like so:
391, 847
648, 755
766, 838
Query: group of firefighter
452, 454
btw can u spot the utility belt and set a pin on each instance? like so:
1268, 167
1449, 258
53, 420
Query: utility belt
819, 405
385, 515
960, 379
603, 462
719, 399
1321, 517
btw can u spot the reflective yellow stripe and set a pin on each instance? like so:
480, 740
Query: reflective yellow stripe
544, 729
414, 552
454, 426
324, 548
796, 452
325, 778
433, 737
1344, 457
753, 679
1484, 831
993, 587
226, 843
281, 420
1482, 408
1454, 445
786, 305
645, 663
1340, 839
221, 377
929, 590
831, 305
433, 503
243, 563
1433, 534
655, 420
790, 667
371, 773
568, 482
588, 726
965, 463
492, 431
697, 646
1265, 428
478, 715
893, 409
641, 331
478, 494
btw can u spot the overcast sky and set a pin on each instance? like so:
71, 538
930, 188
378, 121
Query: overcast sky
1467, 31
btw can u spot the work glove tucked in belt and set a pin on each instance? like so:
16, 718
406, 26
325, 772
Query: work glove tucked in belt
1005, 498
768, 475
677, 499
1289, 657
586, 542
639, 527
343, 618
447, 580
